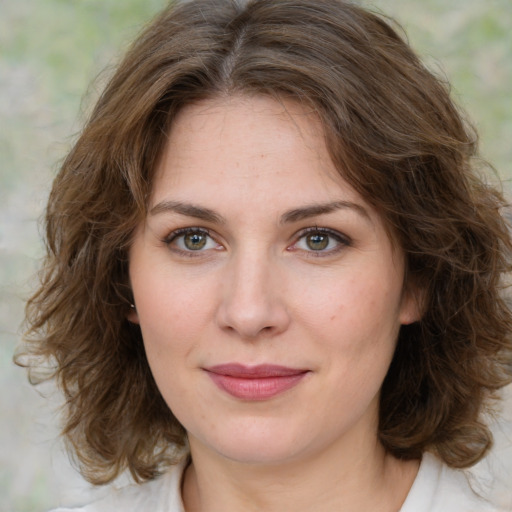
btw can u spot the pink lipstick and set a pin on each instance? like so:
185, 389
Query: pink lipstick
252, 383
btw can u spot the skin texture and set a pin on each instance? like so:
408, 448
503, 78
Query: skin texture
255, 289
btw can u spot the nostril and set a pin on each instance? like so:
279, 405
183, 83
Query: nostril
249, 305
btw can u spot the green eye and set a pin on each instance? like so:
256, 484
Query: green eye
317, 241
195, 241
321, 241
189, 240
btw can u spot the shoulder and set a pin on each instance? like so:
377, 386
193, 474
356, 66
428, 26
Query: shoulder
159, 495
438, 488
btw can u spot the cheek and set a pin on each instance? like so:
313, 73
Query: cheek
364, 295
172, 311
353, 312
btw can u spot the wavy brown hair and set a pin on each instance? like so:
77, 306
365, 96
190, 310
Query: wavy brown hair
395, 136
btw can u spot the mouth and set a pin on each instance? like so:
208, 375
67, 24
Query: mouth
255, 383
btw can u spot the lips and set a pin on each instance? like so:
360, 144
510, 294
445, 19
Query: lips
255, 383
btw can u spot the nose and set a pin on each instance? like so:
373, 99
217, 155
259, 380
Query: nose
253, 298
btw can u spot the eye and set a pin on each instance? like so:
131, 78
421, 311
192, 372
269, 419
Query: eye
320, 240
191, 240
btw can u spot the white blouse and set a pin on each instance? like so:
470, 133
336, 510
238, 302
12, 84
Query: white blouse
437, 488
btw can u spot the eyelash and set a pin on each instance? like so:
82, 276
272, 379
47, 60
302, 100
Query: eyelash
342, 241
175, 235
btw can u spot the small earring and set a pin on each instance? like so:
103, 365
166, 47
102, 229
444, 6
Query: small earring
132, 306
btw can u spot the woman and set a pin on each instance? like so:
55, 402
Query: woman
274, 280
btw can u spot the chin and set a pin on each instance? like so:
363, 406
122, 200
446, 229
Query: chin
258, 454
256, 445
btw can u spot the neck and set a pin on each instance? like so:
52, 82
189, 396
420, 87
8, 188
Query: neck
328, 482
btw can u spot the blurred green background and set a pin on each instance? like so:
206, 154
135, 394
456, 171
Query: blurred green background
51, 51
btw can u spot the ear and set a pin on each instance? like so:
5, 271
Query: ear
413, 305
132, 315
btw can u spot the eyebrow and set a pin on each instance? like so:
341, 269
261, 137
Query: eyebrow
295, 215
188, 210
313, 210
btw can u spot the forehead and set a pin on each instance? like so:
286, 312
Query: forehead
239, 142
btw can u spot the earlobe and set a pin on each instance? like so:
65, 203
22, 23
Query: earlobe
412, 306
132, 315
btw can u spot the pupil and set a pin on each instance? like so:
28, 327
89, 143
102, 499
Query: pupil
318, 242
195, 241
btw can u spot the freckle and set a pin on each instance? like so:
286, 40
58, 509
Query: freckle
333, 317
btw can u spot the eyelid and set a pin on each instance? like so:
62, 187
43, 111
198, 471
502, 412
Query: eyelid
184, 231
328, 231
177, 233
342, 239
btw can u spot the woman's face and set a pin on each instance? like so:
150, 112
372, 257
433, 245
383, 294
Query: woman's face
267, 290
